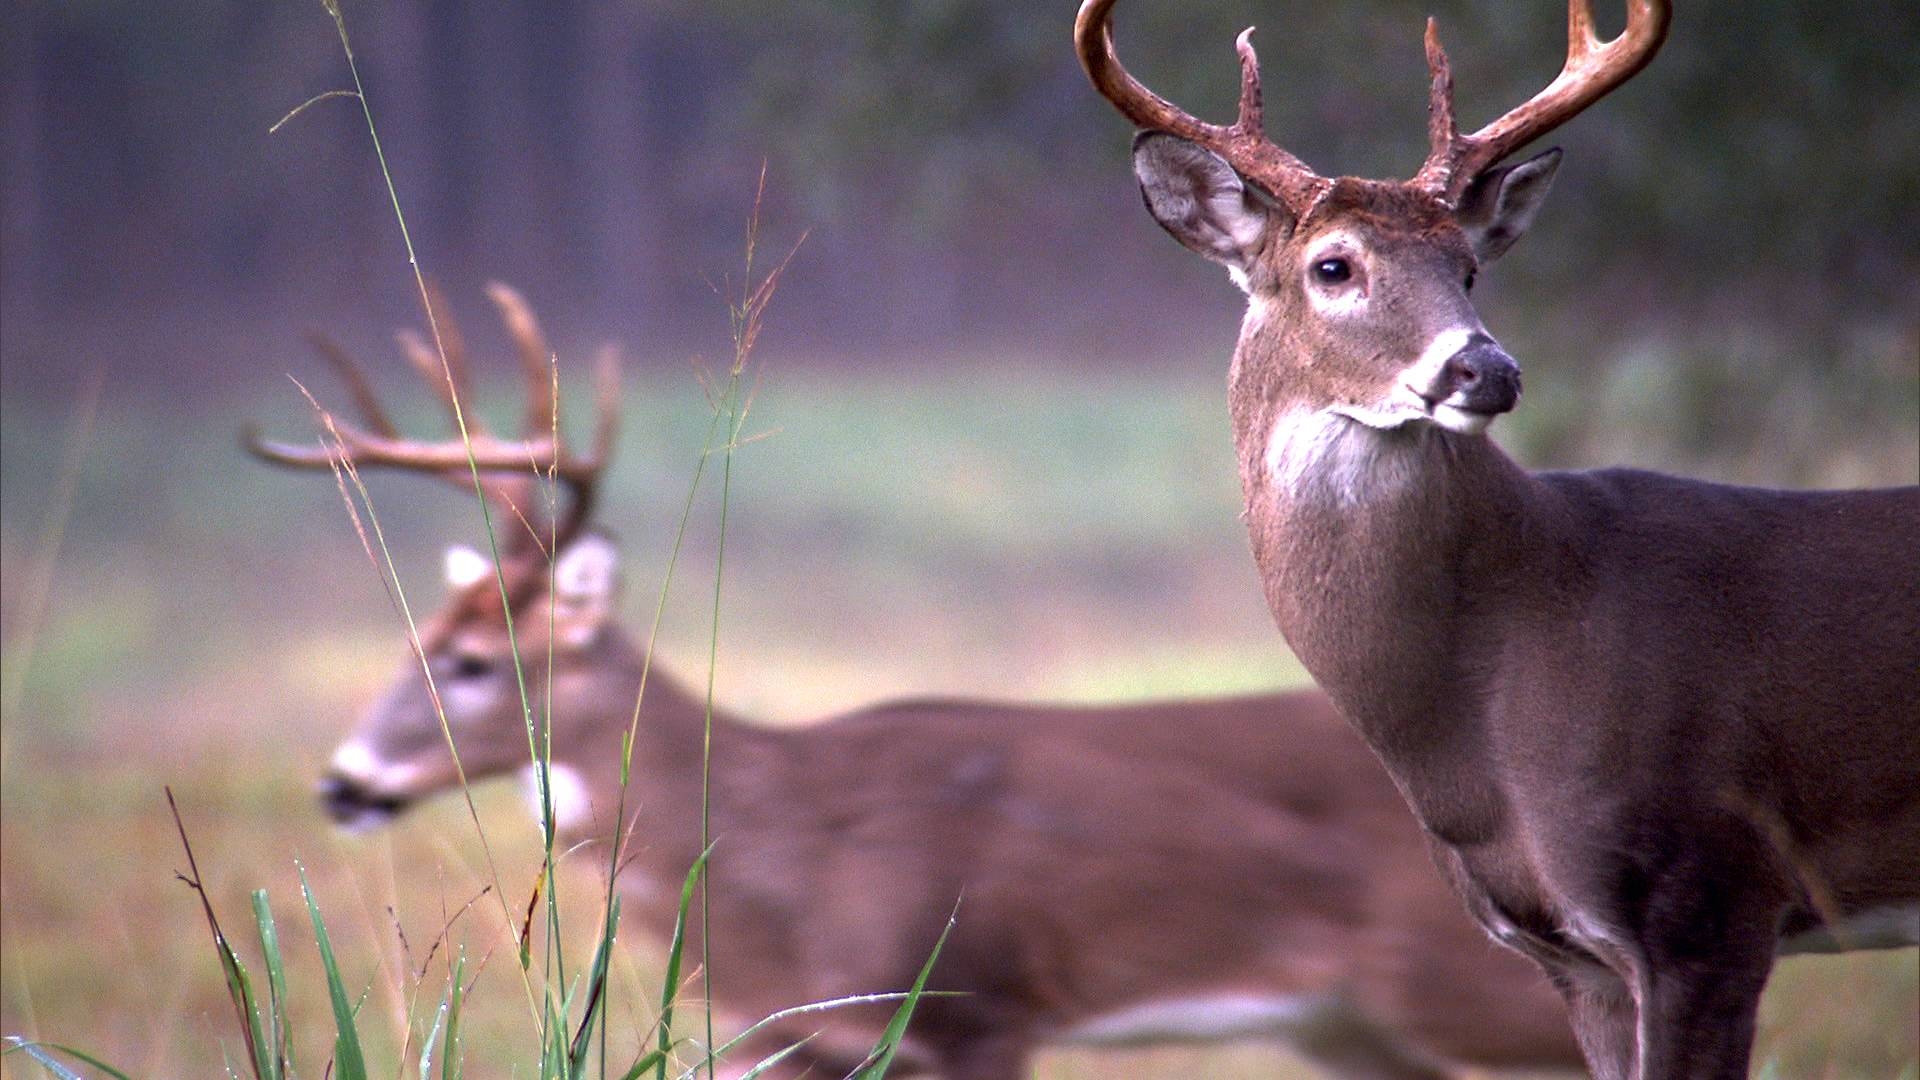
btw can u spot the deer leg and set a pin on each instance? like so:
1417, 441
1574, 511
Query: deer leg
1604, 1018
1697, 1020
1345, 1043
986, 1056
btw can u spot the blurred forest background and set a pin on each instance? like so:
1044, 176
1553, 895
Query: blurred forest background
962, 189
999, 461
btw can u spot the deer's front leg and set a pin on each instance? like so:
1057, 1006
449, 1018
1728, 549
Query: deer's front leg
1604, 1018
1698, 1018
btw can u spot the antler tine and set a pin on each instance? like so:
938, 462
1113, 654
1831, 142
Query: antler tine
508, 468
446, 382
354, 378
359, 388
1243, 144
582, 475
1592, 70
453, 344
536, 358
1442, 130
607, 405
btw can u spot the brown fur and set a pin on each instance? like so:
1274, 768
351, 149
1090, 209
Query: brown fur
1666, 712
1103, 858
1658, 727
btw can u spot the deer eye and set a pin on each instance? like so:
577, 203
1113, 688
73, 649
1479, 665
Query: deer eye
1332, 271
1469, 281
471, 666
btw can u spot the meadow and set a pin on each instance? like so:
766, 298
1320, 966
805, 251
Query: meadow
176, 614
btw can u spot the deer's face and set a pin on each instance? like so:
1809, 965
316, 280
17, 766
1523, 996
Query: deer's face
399, 752
1360, 306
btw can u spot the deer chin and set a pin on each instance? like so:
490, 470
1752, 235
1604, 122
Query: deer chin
1395, 412
1461, 421
1409, 406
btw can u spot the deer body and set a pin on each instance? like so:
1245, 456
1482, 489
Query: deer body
1660, 729
1126, 874
1169, 871
1685, 627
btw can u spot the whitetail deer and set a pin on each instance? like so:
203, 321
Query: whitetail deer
1661, 729
1237, 868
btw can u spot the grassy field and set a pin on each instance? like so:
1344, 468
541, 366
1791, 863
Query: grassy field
210, 624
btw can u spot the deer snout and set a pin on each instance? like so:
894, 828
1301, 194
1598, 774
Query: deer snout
354, 806
1480, 379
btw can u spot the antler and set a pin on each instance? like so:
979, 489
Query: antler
507, 466
1243, 144
1593, 69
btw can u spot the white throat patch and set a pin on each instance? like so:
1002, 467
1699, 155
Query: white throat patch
1338, 455
572, 805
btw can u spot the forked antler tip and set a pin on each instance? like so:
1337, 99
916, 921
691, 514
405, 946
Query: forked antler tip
1593, 68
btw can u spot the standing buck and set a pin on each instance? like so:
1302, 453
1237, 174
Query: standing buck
1223, 869
1660, 729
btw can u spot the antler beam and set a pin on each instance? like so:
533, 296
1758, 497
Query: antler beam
1243, 144
507, 465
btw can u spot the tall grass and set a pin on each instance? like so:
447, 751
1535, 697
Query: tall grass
569, 1010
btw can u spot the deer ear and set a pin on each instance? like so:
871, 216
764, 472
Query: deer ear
1195, 195
586, 582
463, 567
1500, 203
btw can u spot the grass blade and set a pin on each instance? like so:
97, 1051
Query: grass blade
348, 1061
650, 1060
771, 1060
450, 1047
828, 1005
280, 1046
877, 1062
38, 1052
596, 996
670, 985
426, 1044
239, 986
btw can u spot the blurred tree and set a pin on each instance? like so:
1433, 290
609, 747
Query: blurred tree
965, 190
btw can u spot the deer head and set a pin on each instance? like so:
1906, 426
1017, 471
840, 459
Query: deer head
1358, 289
560, 581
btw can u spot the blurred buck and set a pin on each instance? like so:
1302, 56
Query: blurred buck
1225, 869
1661, 729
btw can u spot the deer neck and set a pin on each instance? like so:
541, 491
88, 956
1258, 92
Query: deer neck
1391, 560
662, 799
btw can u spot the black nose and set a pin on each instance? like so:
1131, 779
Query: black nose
1482, 378
348, 802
